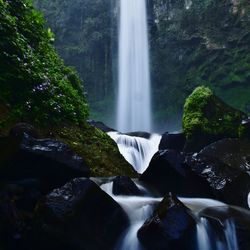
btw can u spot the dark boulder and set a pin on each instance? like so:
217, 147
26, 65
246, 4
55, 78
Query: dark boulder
224, 165
140, 134
100, 125
79, 215
171, 227
50, 161
175, 141
123, 185
168, 173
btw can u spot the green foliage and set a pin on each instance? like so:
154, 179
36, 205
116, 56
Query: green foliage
206, 114
33, 79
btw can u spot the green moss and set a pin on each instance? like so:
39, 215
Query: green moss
98, 150
206, 114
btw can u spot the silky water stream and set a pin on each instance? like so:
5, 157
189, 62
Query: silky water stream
140, 208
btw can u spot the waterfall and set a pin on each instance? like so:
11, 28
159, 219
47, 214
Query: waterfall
134, 105
138, 210
188, 4
206, 238
224, 239
137, 151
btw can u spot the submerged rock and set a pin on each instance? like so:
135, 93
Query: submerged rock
207, 119
123, 185
224, 165
50, 161
175, 141
171, 227
168, 173
79, 215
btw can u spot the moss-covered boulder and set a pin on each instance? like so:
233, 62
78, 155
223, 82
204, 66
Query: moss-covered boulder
98, 150
207, 118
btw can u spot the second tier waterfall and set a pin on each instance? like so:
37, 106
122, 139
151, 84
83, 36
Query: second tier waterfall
134, 106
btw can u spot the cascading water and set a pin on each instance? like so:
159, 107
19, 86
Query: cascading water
137, 151
134, 107
138, 210
206, 239
188, 4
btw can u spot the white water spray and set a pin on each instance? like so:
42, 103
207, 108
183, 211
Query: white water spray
138, 210
188, 4
134, 105
137, 151
206, 238
204, 230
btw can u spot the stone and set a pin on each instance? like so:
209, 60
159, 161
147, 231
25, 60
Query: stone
123, 185
171, 227
225, 166
168, 173
79, 215
50, 161
175, 141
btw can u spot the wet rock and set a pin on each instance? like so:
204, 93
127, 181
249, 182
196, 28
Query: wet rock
168, 173
170, 227
123, 185
50, 161
140, 134
79, 215
175, 141
100, 125
224, 165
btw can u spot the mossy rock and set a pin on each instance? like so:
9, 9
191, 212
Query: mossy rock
99, 151
207, 118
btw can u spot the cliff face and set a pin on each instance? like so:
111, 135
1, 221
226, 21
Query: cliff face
200, 42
